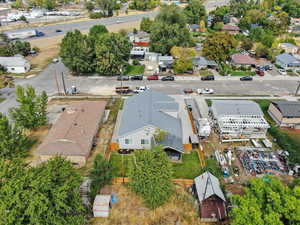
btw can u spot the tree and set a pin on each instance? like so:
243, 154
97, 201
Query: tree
160, 135
13, 142
171, 15
77, 52
46, 194
31, 112
89, 5
151, 176
195, 12
144, 4
218, 46
146, 24
107, 6
112, 53
96, 31
101, 174
183, 58
247, 44
19, 47
267, 201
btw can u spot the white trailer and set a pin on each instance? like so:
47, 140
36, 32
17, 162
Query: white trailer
22, 34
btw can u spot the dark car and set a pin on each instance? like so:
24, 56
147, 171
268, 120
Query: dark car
188, 90
58, 30
209, 77
123, 78
137, 77
152, 77
168, 78
260, 72
247, 78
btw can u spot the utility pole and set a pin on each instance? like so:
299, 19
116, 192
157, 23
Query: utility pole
298, 88
63, 81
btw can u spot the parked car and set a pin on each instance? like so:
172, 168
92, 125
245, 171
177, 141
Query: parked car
260, 72
268, 67
209, 77
282, 71
123, 78
168, 78
246, 78
152, 77
137, 77
140, 89
55, 60
205, 91
188, 90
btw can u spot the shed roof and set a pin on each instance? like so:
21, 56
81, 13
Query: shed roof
243, 59
235, 107
208, 185
75, 129
13, 61
288, 108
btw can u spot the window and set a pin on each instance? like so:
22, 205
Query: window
144, 141
128, 141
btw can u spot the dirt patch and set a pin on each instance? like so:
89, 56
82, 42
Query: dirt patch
130, 210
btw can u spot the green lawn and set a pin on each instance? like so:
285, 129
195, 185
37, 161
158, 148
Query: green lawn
134, 70
242, 73
189, 168
205, 73
1, 99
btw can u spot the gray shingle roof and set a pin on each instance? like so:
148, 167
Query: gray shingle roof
288, 108
13, 61
150, 108
208, 185
287, 58
235, 107
200, 61
289, 45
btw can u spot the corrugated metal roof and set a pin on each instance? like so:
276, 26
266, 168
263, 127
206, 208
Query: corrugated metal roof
288, 108
13, 61
208, 185
235, 107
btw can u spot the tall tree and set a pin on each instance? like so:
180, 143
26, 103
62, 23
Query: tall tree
112, 53
95, 33
13, 142
77, 52
31, 112
107, 6
171, 14
146, 24
183, 58
218, 46
151, 176
144, 4
194, 12
47, 194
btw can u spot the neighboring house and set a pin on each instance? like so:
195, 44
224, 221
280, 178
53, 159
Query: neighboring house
289, 48
152, 56
73, 135
15, 64
295, 21
287, 61
211, 198
194, 27
165, 63
285, 113
139, 52
296, 29
231, 29
239, 59
145, 114
201, 62
140, 36
239, 119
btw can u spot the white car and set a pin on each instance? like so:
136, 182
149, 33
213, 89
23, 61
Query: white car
205, 91
119, 21
140, 89
55, 60
282, 72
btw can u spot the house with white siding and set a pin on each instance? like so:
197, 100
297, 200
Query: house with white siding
15, 64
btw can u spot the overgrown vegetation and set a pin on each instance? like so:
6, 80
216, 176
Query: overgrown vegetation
189, 168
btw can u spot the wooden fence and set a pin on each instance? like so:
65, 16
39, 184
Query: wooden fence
125, 180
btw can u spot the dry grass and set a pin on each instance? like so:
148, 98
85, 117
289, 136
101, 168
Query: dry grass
129, 210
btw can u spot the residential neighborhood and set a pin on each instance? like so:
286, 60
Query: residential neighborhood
152, 112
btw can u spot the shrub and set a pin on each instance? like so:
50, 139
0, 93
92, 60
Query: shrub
136, 62
95, 15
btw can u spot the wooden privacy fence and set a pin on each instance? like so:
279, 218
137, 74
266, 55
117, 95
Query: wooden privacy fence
125, 180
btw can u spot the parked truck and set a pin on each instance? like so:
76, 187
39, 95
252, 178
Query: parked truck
123, 90
23, 34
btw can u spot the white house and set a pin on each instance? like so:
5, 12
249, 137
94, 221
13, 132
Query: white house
289, 48
15, 64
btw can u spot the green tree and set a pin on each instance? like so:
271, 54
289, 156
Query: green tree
19, 47
171, 14
151, 176
112, 53
247, 44
96, 31
144, 4
195, 12
77, 52
107, 6
46, 194
89, 5
13, 142
146, 24
31, 112
267, 201
183, 58
218, 46
101, 174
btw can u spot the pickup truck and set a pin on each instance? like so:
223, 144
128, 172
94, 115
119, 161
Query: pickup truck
123, 90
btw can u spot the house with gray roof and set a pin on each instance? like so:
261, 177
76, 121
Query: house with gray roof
239, 119
285, 113
287, 61
289, 48
144, 115
211, 198
15, 64
201, 62
139, 36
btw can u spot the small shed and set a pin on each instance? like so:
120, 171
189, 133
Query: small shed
102, 205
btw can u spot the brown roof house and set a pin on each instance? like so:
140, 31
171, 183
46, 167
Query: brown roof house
231, 29
239, 59
285, 113
73, 134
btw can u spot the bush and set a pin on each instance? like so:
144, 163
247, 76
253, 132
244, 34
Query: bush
136, 62
95, 15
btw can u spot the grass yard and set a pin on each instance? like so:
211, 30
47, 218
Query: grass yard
134, 69
1, 99
205, 73
189, 168
242, 73
122, 163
